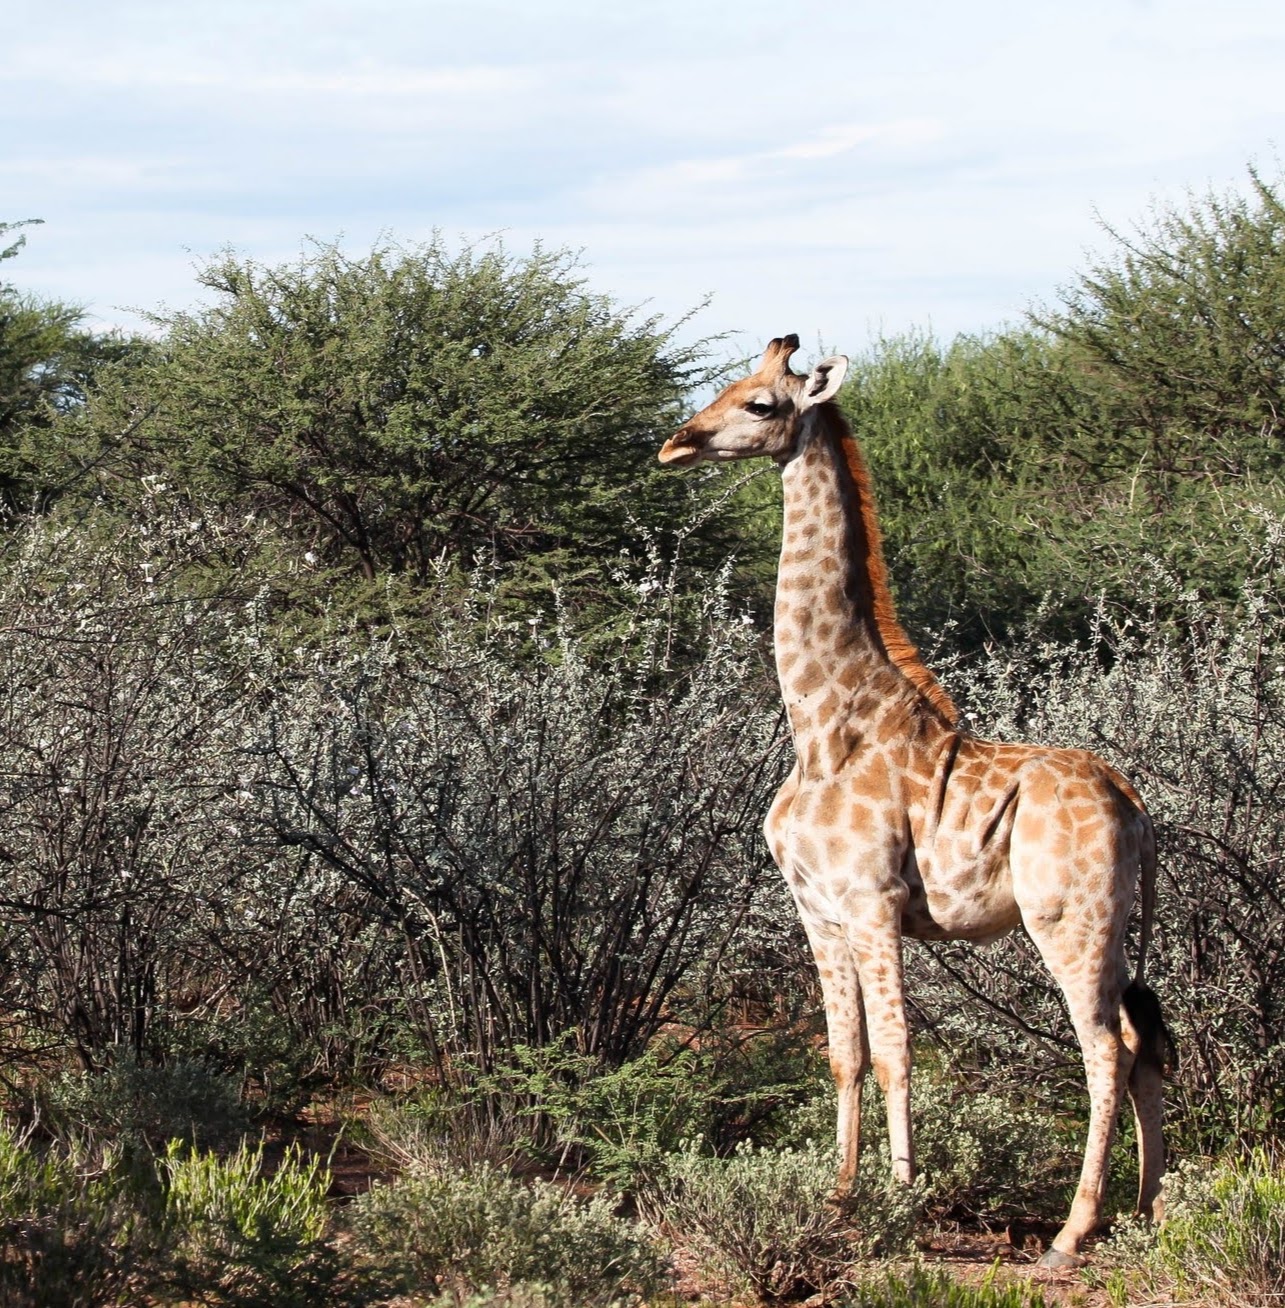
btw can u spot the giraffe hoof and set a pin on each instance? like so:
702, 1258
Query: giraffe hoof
1057, 1259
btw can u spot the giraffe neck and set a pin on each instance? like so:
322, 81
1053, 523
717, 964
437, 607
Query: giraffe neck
846, 666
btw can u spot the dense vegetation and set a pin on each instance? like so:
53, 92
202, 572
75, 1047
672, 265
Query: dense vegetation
378, 718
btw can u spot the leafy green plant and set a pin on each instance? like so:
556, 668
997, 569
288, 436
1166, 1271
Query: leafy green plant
1223, 1238
67, 1239
434, 1229
243, 1236
618, 1123
761, 1218
927, 1289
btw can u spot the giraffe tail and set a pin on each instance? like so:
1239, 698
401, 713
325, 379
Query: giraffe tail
1140, 1002
1156, 1046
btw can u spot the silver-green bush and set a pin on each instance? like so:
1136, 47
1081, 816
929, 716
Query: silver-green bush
760, 1219
1223, 1239
435, 1230
980, 1154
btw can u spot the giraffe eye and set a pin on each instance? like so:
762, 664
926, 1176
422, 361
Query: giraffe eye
759, 410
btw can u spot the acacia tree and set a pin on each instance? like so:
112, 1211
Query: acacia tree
1141, 417
413, 404
48, 364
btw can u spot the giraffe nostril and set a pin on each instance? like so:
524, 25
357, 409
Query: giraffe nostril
682, 447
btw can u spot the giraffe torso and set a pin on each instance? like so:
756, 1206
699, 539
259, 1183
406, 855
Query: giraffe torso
961, 828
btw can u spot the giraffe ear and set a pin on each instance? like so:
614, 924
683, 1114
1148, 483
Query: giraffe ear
824, 381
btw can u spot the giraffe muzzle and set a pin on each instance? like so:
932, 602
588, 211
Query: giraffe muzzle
680, 450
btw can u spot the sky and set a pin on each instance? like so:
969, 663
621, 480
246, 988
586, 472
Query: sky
843, 171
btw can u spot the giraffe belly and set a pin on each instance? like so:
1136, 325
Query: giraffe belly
974, 901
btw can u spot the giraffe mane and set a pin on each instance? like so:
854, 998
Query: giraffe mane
901, 650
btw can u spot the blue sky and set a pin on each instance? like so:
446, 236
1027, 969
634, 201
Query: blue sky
836, 170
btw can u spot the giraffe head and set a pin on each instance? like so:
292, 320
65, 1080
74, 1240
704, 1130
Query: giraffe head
759, 415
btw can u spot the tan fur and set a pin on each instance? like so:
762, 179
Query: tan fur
894, 822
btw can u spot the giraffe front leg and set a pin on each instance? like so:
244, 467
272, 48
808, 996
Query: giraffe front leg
875, 937
849, 1051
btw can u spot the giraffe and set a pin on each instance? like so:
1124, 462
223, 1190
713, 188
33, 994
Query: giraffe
896, 822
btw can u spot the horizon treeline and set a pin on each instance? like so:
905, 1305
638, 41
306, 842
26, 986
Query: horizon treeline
390, 415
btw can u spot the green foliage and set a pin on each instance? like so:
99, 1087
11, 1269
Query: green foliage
761, 1218
81, 1229
1142, 418
441, 1229
389, 412
243, 1236
1223, 1238
925, 1289
616, 1124
67, 1240
620, 1123
979, 1154
144, 1107
48, 363
1187, 322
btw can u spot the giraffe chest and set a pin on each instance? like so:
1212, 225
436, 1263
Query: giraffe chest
835, 842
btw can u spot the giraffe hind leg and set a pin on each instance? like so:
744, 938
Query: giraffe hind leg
1093, 992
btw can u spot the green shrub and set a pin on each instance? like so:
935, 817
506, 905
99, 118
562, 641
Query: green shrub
980, 1154
924, 1289
617, 1123
761, 1219
241, 1237
614, 1124
66, 1240
484, 1231
1223, 1238
984, 1154
146, 1106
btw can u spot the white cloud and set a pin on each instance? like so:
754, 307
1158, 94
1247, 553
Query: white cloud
822, 169
139, 72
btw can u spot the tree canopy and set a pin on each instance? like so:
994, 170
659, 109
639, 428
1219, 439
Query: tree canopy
413, 408
48, 362
1140, 422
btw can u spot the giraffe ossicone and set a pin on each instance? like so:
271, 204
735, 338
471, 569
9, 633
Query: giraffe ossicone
896, 822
